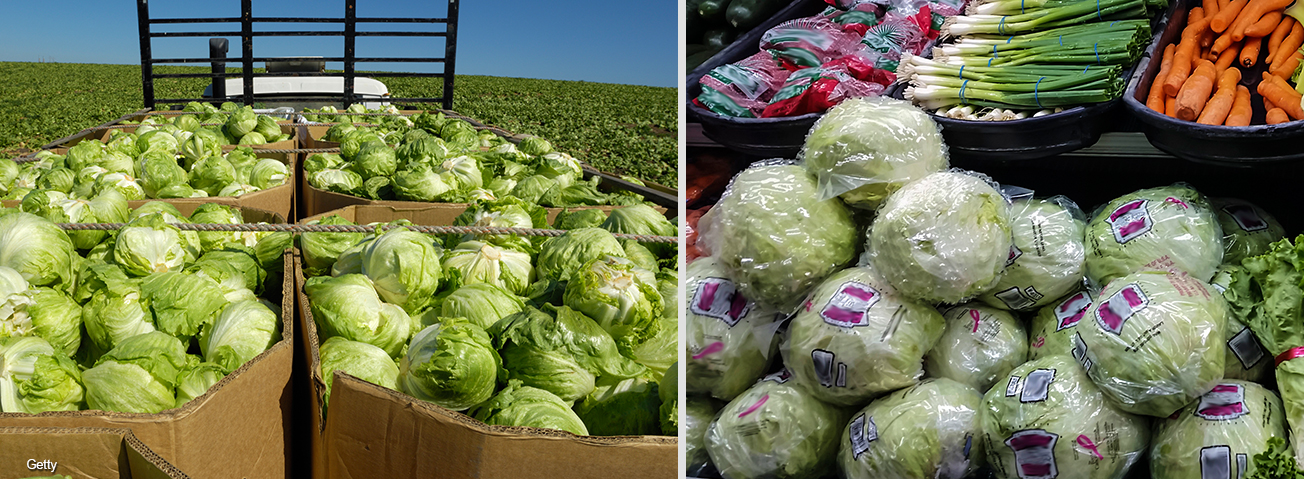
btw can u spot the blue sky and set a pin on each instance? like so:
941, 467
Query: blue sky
600, 41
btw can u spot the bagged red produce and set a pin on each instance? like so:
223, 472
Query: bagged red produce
742, 89
809, 42
856, 19
814, 90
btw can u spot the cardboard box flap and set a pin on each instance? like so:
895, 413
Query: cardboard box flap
80, 452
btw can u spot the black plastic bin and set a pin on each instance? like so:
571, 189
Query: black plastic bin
1241, 146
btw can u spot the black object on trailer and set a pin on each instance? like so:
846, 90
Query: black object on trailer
246, 20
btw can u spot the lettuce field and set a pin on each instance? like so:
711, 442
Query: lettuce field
623, 129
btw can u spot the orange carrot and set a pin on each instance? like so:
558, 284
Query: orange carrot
1194, 16
1265, 25
1267, 104
1156, 99
1170, 106
1215, 112
1277, 115
1223, 4
1210, 7
1225, 16
1288, 46
1283, 29
1241, 108
1281, 94
1182, 59
1253, 12
1195, 92
1227, 58
1250, 53
1287, 68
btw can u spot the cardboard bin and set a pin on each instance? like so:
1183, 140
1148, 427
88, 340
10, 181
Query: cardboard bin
100, 453
372, 431
238, 429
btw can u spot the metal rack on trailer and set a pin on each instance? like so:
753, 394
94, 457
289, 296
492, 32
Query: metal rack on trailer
246, 21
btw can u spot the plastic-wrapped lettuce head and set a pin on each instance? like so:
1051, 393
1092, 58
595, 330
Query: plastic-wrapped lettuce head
475, 262
865, 149
405, 266
1047, 419
561, 256
774, 237
37, 249
1247, 229
1169, 228
139, 375
348, 306
1047, 258
730, 339
697, 415
524, 406
1226, 427
1153, 341
559, 350
1051, 329
857, 338
943, 238
360, 360
1246, 357
930, 429
452, 364
482, 303
622, 298
195, 380
981, 345
775, 429
244, 330
622, 407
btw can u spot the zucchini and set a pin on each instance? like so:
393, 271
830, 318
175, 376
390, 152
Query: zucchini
719, 38
697, 59
693, 24
712, 11
745, 14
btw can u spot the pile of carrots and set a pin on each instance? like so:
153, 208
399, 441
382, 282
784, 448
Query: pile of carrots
1200, 77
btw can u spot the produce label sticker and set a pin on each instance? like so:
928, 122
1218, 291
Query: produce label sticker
1034, 453
1216, 462
1015, 298
719, 298
1245, 217
863, 431
1130, 220
1246, 348
829, 371
1225, 402
1070, 311
1012, 389
1120, 307
1036, 387
1079, 352
848, 306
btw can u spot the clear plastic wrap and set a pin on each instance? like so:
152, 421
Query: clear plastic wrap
730, 340
981, 345
1171, 228
1051, 329
1046, 261
1218, 435
856, 339
944, 238
1048, 420
775, 238
1247, 229
697, 416
1153, 341
775, 430
929, 430
1246, 359
865, 149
